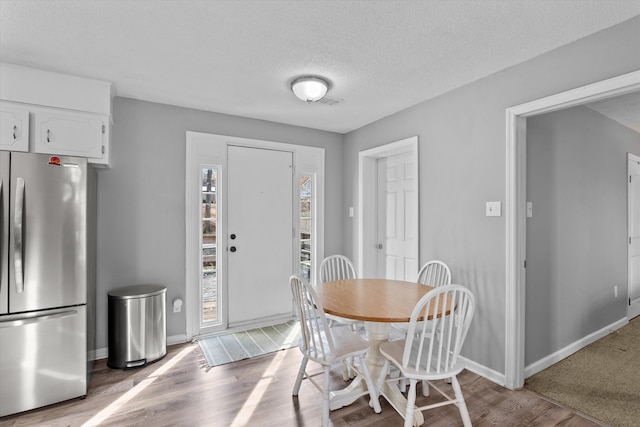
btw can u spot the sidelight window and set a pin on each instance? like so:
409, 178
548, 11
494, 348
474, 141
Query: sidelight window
209, 285
306, 227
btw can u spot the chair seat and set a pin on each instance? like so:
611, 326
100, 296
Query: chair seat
394, 350
346, 343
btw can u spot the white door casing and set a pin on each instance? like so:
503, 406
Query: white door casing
205, 150
515, 205
368, 252
397, 221
633, 193
259, 234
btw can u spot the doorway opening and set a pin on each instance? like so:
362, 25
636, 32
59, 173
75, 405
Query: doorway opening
516, 208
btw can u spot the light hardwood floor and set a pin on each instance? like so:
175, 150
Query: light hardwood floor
178, 390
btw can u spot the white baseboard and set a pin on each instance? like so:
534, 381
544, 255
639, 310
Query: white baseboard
177, 339
567, 351
483, 371
103, 353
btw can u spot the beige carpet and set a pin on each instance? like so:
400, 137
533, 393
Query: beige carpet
601, 380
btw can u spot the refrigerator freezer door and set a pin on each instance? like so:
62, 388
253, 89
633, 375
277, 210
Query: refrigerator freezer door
4, 232
47, 232
43, 358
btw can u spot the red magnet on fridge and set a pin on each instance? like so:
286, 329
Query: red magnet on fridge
54, 160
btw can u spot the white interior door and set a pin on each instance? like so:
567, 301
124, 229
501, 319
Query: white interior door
634, 236
397, 219
259, 234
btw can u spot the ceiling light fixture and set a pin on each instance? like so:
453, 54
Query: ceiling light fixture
310, 88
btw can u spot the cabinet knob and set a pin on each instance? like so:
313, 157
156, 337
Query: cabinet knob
232, 249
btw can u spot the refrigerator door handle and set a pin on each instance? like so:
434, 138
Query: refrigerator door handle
37, 319
18, 252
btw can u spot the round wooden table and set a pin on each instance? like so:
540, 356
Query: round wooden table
378, 302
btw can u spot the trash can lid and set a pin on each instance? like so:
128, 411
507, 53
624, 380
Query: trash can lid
138, 291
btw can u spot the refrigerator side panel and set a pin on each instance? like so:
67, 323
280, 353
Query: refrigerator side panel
92, 216
47, 235
43, 358
4, 232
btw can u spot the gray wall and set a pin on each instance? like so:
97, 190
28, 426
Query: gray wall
577, 237
462, 165
141, 199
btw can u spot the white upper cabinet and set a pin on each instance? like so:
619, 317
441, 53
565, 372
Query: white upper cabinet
71, 134
14, 128
69, 115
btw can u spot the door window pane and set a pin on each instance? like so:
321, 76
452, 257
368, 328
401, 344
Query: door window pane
306, 226
208, 213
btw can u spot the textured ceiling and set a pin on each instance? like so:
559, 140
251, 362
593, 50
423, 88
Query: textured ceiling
238, 57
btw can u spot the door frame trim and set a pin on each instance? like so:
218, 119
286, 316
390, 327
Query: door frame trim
630, 158
515, 205
211, 149
367, 183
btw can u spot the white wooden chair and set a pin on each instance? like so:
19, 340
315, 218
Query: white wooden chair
434, 273
431, 349
326, 346
338, 267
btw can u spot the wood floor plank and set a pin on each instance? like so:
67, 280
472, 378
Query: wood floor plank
257, 392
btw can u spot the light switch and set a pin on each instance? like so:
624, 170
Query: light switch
351, 212
494, 208
529, 210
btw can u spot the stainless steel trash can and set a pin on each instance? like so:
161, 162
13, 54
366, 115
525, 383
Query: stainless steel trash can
137, 326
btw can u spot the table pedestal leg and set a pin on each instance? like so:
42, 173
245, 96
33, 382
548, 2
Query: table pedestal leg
377, 333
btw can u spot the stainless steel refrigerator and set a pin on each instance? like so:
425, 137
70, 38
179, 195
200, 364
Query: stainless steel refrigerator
47, 287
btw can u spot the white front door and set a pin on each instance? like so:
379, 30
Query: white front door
397, 219
259, 234
634, 236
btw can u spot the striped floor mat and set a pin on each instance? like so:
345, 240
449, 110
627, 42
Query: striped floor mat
229, 348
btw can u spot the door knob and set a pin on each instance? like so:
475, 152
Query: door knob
232, 248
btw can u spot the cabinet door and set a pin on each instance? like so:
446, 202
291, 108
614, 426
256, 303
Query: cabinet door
14, 128
72, 134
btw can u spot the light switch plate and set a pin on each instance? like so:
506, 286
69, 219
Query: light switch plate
494, 208
529, 210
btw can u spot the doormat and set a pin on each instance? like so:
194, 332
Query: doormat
223, 349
